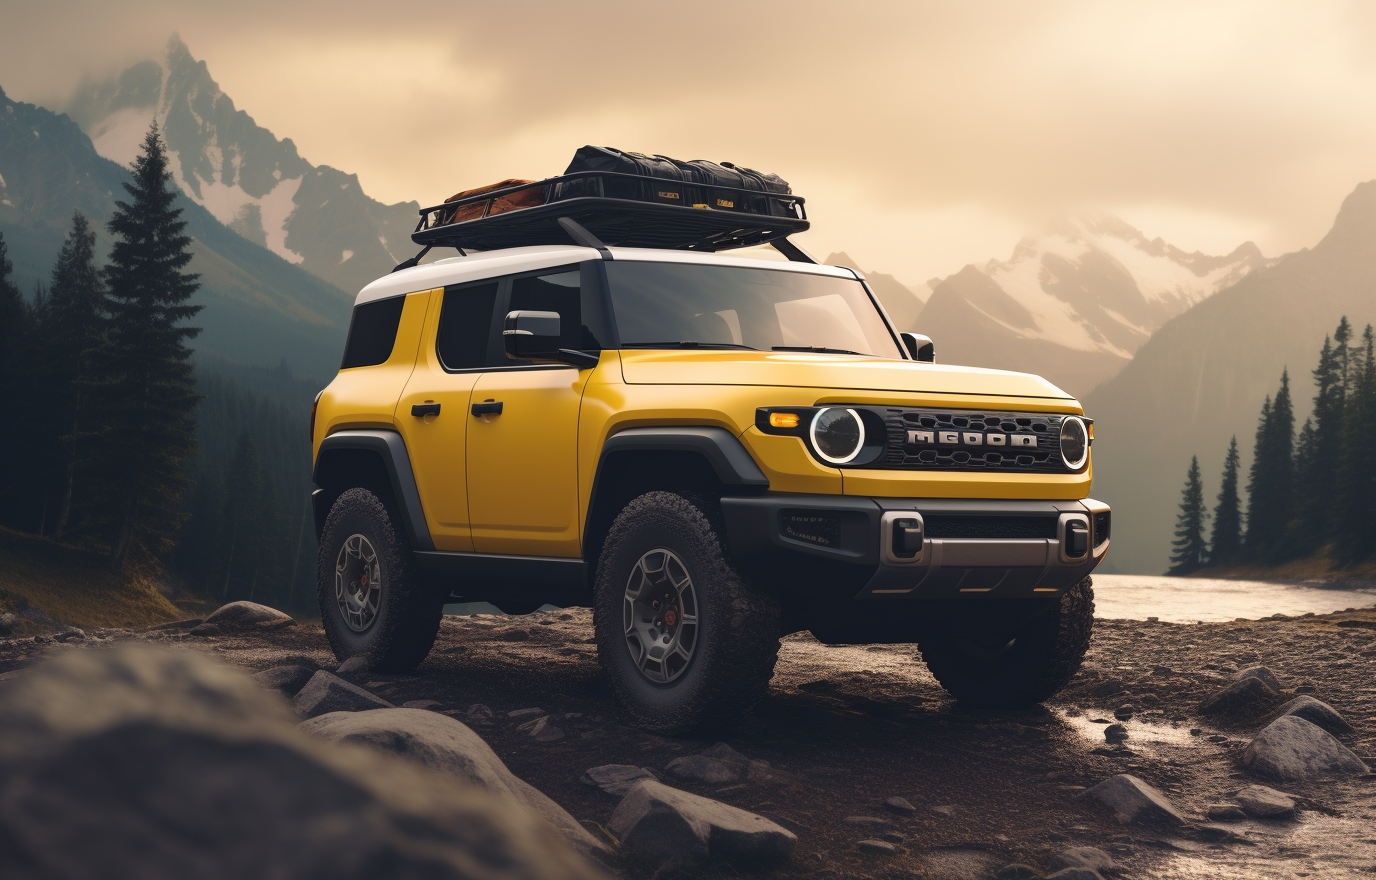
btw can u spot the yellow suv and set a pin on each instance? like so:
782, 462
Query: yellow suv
710, 451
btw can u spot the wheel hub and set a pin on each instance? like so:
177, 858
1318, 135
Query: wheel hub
357, 583
660, 616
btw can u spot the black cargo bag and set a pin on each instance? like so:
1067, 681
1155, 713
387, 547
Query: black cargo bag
695, 184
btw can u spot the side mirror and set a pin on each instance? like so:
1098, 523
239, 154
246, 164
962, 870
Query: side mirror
534, 336
920, 348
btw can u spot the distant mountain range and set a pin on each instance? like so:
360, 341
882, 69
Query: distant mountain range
901, 302
317, 217
1075, 303
1203, 375
259, 308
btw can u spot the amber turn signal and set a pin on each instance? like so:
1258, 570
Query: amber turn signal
783, 420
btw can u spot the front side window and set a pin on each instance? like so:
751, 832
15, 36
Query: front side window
466, 325
684, 305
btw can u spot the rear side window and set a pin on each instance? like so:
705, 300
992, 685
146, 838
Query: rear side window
373, 332
466, 326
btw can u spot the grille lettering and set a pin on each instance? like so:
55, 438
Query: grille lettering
950, 436
997, 439
916, 437
973, 439
1022, 440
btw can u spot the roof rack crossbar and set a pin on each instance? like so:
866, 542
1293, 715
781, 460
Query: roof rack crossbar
582, 237
414, 261
792, 251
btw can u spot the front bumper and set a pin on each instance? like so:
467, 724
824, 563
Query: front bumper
923, 548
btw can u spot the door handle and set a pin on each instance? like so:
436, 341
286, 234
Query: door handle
488, 408
425, 409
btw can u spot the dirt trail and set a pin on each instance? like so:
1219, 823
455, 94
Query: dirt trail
844, 728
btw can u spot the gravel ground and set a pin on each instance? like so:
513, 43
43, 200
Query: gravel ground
845, 728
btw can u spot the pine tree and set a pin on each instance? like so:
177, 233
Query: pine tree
72, 335
15, 318
1355, 530
149, 399
1270, 489
1225, 544
1189, 549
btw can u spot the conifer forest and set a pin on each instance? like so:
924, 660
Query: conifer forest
1308, 493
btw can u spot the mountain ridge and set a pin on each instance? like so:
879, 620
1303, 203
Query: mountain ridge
250, 180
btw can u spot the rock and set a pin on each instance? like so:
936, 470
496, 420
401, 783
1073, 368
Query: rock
1115, 733
1316, 712
244, 615
203, 630
701, 768
480, 714
1245, 696
1135, 802
871, 822
1224, 813
1124, 713
722, 752
1261, 802
1216, 738
430, 705
1213, 833
440, 744
944, 810
1017, 871
288, 680
541, 730
71, 634
615, 779
1085, 857
525, 713
877, 847
6, 624
140, 761
1075, 874
900, 805
660, 824
357, 665
1262, 674
893, 836
1292, 749
326, 692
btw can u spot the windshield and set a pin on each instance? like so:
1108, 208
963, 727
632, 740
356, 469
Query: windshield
661, 305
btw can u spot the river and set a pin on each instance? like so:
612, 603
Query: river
1182, 600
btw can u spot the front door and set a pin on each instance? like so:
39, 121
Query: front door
523, 436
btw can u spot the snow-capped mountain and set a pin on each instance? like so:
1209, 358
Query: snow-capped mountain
315, 216
1074, 303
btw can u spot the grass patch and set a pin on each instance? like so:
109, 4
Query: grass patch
76, 586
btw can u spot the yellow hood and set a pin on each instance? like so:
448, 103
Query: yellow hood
825, 371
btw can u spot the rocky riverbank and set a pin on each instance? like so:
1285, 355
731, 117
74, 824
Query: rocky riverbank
1168, 755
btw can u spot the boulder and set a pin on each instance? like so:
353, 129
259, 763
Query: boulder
701, 768
1115, 733
1260, 673
1075, 874
1135, 802
440, 744
288, 680
356, 665
722, 752
900, 805
247, 615
615, 779
1224, 813
1085, 857
162, 764
1316, 712
1246, 696
327, 692
1261, 802
877, 847
659, 824
1292, 749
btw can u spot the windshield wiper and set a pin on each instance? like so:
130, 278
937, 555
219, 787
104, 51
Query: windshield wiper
817, 348
687, 344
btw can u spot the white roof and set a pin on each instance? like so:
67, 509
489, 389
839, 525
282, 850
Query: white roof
489, 264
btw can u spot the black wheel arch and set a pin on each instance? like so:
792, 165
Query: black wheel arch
702, 459
372, 459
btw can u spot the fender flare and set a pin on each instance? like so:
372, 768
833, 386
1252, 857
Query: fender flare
396, 461
723, 451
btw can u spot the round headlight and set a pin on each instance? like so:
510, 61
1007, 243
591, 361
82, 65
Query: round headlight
837, 434
1074, 443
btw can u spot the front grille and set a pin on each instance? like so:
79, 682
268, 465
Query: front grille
984, 441
989, 526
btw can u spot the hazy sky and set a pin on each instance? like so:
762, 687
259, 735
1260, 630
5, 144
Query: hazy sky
923, 135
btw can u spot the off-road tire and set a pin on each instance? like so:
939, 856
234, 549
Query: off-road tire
1040, 661
409, 609
737, 642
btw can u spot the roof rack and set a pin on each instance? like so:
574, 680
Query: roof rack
625, 210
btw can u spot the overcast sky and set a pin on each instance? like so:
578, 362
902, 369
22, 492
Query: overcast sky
923, 135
